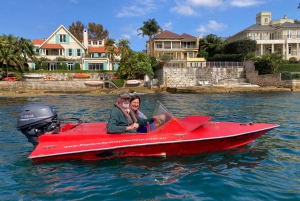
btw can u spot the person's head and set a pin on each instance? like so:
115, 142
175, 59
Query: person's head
135, 102
124, 99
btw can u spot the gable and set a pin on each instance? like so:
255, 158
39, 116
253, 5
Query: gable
63, 37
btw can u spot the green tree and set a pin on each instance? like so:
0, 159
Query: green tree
95, 31
212, 44
110, 46
203, 54
26, 48
208, 40
243, 47
10, 53
123, 48
76, 29
268, 63
150, 29
136, 65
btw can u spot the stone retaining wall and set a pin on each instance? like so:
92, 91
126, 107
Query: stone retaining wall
188, 76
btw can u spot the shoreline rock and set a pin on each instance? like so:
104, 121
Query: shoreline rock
185, 90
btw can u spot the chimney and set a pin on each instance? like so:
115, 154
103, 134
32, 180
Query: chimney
85, 38
284, 17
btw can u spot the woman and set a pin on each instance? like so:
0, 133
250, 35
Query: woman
135, 102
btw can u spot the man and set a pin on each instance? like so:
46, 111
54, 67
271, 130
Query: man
123, 119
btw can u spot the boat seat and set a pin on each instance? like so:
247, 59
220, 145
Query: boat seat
193, 122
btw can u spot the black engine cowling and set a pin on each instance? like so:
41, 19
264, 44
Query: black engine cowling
36, 119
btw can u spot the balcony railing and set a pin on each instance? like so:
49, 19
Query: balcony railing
281, 37
224, 64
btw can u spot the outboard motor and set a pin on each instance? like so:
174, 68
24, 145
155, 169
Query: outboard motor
35, 120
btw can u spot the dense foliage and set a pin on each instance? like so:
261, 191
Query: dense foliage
227, 57
95, 31
242, 47
268, 63
15, 52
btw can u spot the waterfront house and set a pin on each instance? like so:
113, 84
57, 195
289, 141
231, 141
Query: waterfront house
89, 53
281, 36
180, 50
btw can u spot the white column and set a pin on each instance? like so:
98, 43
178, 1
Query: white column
272, 48
287, 50
261, 49
297, 49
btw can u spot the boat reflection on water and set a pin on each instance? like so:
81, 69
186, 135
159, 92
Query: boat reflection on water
164, 171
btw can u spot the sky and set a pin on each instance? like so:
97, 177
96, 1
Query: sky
38, 19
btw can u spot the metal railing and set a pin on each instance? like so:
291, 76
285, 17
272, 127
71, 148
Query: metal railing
224, 64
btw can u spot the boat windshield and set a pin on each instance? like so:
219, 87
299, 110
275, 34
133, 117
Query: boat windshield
161, 110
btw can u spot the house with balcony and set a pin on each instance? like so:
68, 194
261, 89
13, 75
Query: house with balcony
89, 53
281, 36
179, 50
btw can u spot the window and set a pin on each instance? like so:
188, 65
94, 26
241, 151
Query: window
70, 66
298, 33
96, 66
90, 42
54, 52
37, 50
70, 52
266, 20
272, 36
62, 38
167, 45
191, 55
100, 42
175, 44
252, 36
158, 44
278, 50
94, 42
191, 64
262, 36
78, 52
288, 34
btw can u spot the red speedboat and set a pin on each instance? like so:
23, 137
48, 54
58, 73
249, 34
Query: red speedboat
56, 139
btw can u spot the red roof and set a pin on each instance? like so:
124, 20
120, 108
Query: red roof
97, 49
167, 34
100, 49
187, 36
38, 41
52, 46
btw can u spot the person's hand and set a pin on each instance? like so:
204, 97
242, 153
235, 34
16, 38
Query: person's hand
160, 118
132, 126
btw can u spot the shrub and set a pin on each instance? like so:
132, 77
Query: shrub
77, 66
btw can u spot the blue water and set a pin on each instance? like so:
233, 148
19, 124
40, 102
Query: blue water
267, 169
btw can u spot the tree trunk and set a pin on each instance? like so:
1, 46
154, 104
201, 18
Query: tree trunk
150, 45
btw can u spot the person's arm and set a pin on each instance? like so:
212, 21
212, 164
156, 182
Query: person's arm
140, 114
117, 123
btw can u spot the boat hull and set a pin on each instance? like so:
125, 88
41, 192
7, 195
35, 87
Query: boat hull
89, 141
159, 150
94, 83
133, 82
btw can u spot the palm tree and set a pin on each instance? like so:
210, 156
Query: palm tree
123, 48
208, 40
110, 46
9, 58
26, 48
150, 28
9, 53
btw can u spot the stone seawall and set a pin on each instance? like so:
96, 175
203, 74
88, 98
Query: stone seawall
188, 76
24, 86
